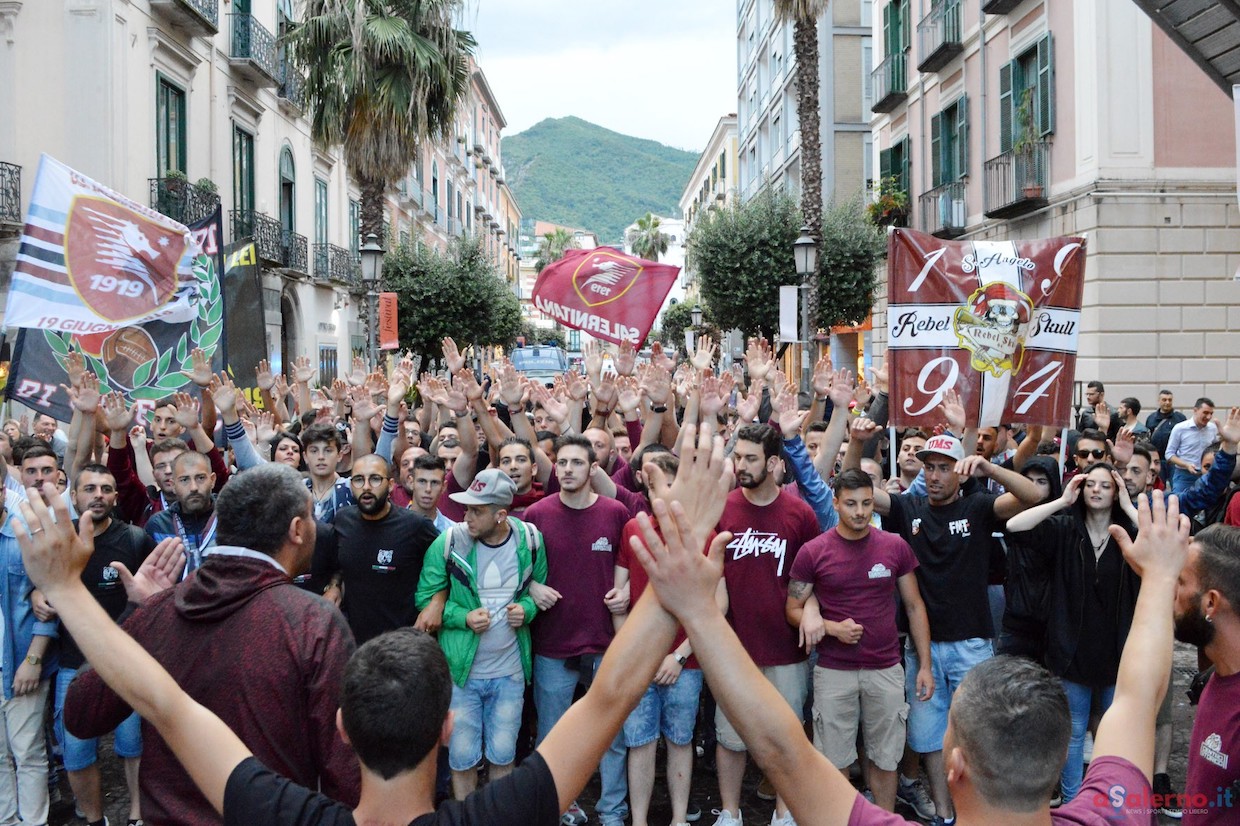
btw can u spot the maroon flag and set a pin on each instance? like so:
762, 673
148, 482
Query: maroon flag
605, 293
996, 321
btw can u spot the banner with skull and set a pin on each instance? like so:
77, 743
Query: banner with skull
995, 321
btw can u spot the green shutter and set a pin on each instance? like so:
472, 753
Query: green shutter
936, 150
905, 166
906, 30
961, 139
1007, 106
889, 24
1046, 86
884, 166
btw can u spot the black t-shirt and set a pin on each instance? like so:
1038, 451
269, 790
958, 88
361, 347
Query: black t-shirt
257, 796
121, 542
953, 545
380, 563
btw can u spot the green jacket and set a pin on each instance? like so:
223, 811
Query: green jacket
445, 567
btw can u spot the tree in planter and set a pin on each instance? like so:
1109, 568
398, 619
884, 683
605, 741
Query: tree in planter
851, 249
742, 254
382, 76
1024, 149
459, 294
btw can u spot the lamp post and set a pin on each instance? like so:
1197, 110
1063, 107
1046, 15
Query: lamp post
805, 253
372, 266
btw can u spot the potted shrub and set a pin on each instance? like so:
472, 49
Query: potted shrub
1024, 148
890, 208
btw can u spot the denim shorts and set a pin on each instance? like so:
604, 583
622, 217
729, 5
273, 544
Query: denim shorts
81, 754
485, 710
669, 710
949, 663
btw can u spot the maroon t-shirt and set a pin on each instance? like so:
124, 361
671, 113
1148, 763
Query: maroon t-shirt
581, 550
756, 567
449, 508
856, 579
1214, 752
1115, 793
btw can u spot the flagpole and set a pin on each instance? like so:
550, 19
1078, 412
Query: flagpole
891, 451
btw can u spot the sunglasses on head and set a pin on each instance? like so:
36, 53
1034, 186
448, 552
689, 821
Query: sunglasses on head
1095, 453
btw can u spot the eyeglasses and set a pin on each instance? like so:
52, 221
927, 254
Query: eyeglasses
1095, 453
375, 481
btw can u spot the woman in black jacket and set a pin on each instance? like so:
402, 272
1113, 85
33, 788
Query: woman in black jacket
1090, 593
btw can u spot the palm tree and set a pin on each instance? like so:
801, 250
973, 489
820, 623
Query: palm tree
804, 15
381, 76
553, 246
647, 240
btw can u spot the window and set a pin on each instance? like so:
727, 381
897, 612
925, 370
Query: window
320, 211
895, 163
867, 161
355, 227
243, 170
327, 365
949, 143
897, 28
169, 127
288, 184
867, 77
1028, 81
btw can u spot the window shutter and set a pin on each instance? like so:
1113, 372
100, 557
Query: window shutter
905, 166
936, 150
884, 165
889, 40
962, 137
906, 30
1046, 86
1007, 107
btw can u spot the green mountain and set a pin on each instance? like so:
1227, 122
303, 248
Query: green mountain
575, 173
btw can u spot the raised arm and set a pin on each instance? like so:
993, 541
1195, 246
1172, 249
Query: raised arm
1031, 518
862, 431
1157, 555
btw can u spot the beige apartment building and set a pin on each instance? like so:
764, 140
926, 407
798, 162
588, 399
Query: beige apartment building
152, 97
1011, 120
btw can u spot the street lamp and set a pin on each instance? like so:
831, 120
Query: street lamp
372, 267
805, 253
696, 315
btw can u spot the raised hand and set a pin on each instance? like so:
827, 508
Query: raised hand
823, 377
953, 411
264, 426
661, 359
160, 571
704, 353
712, 396
465, 381
841, 392
748, 406
556, 409
200, 367
1121, 448
605, 394
279, 388
626, 359
303, 370
452, 356
364, 407
576, 386
592, 354
84, 396
75, 368
1162, 540
263, 377
224, 394
878, 376
702, 482
789, 417
1229, 430
187, 414
137, 437
339, 391
758, 357
117, 415
628, 395
656, 383
357, 375
864, 429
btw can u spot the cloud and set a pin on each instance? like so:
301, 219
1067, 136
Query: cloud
659, 70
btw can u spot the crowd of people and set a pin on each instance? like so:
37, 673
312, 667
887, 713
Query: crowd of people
451, 598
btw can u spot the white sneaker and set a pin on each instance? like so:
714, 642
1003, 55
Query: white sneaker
726, 819
786, 820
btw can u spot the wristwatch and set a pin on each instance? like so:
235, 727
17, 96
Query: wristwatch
33, 660
682, 659
659, 408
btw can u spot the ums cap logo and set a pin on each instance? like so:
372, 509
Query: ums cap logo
604, 275
992, 326
121, 263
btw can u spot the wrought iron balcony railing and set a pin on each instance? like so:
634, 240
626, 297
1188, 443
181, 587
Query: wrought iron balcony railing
1018, 181
296, 251
10, 193
336, 263
943, 210
253, 50
181, 200
939, 35
266, 231
292, 86
890, 82
199, 17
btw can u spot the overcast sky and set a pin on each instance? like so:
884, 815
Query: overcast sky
659, 69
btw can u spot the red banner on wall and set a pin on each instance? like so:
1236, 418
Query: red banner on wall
389, 338
996, 321
605, 293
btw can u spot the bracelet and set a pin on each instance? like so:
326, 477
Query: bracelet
660, 408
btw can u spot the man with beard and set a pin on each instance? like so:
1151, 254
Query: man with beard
119, 548
1160, 422
192, 517
373, 561
582, 532
769, 525
855, 571
1206, 602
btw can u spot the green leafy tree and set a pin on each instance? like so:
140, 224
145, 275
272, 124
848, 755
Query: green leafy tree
679, 317
851, 249
648, 241
742, 254
459, 294
381, 76
553, 246
553, 336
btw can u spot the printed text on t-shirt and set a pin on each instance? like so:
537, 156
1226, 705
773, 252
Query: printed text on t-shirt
755, 543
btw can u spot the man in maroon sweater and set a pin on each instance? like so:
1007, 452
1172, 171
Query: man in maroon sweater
244, 641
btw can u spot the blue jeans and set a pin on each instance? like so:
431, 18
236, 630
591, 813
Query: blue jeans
554, 683
486, 711
81, 754
949, 663
670, 710
1080, 702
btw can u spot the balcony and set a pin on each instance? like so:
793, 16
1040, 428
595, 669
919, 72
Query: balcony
890, 82
10, 193
266, 231
182, 201
201, 18
333, 263
999, 6
1017, 181
453, 226
295, 251
253, 53
292, 90
943, 210
939, 35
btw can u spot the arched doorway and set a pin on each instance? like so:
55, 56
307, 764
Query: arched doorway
290, 326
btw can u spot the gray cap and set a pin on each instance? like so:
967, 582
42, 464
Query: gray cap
491, 487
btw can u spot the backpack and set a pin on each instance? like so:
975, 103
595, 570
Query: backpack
459, 540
